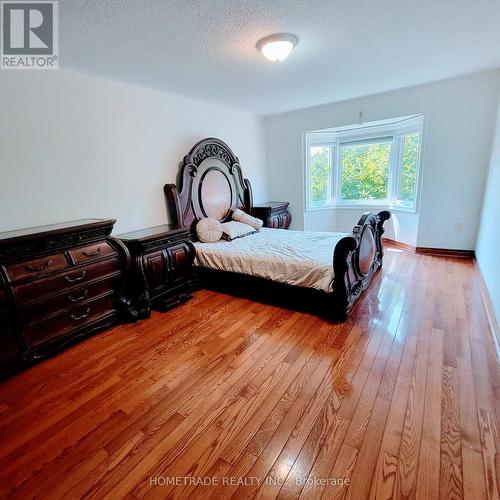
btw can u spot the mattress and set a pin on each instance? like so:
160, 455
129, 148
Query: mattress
299, 258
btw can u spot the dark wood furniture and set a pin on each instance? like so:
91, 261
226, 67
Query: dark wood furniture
211, 184
162, 267
275, 214
58, 283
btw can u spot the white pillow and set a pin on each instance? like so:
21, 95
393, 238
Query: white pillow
209, 230
234, 229
241, 216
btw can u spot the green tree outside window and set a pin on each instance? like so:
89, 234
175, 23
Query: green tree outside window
409, 166
365, 171
320, 171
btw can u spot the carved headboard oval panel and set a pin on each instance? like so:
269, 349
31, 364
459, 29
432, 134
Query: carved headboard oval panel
210, 184
215, 190
365, 231
367, 250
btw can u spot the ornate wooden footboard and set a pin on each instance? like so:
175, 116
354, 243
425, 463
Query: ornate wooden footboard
355, 260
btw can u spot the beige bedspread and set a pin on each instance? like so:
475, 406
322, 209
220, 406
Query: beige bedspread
301, 258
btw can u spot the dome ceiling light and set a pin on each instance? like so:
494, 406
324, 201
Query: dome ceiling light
277, 47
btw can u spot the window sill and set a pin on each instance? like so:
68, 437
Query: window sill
374, 207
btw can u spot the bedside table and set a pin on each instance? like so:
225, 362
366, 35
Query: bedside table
162, 267
275, 214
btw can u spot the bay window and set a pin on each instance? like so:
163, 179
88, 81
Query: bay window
372, 164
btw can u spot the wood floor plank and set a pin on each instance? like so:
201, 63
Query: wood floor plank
406, 479
325, 423
451, 450
473, 474
430, 446
384, 477
325, 460
341, 472
490, 453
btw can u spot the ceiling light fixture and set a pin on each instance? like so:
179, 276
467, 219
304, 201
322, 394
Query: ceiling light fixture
277, 47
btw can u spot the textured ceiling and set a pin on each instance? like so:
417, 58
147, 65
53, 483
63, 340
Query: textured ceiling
347, 48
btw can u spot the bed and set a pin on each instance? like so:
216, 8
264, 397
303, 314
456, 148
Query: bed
329, 270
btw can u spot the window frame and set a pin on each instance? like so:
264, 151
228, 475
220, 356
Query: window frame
394, 131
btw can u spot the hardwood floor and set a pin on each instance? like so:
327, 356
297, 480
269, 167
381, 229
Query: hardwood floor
401, 401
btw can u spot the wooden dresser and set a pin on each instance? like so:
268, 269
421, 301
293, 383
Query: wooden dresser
57, 283
275, 214
162, 267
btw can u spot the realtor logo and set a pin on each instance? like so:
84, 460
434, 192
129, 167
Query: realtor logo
29, 35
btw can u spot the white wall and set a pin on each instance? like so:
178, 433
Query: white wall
459, 116
75, 146
488, 242
401, 227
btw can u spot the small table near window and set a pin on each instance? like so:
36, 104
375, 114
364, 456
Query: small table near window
162, 267
275, 214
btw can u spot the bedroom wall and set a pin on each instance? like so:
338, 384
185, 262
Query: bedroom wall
488, 242
75, 146
459, 116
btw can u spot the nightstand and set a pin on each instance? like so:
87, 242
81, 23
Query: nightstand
275, 214
162, 267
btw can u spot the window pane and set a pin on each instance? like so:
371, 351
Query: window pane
365, 171
409, 167
320, 171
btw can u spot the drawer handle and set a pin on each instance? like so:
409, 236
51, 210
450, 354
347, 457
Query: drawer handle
77, 299
82, 316
69, 279
92, 254
35, 269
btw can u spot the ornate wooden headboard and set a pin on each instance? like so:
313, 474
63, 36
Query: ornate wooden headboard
210, 184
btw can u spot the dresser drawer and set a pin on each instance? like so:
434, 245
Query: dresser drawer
4, 318
36, 268
92, 252
67, 300
72, 278
68, 321
10, 350
3, 298
279, 220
